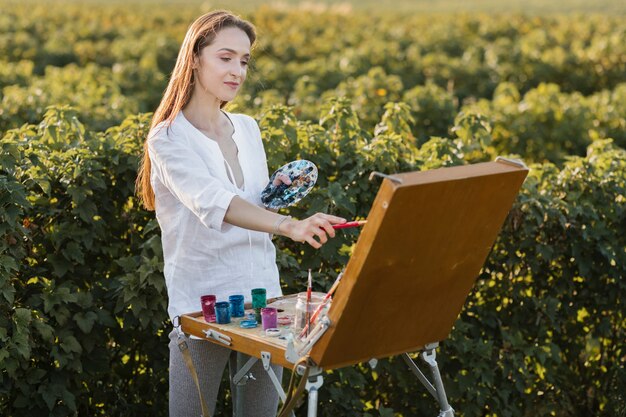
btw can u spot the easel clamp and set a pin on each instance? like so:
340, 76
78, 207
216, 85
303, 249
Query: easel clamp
222, 338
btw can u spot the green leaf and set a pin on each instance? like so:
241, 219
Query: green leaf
60, 265
385, 412
45, 331
8, 292
50, 398
85, 321
22, 317
70, 344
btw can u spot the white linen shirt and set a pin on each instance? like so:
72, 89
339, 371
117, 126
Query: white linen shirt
203, 254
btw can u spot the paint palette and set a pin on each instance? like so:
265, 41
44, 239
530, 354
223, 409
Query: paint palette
303, 175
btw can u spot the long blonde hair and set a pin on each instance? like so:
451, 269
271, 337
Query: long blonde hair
201, 33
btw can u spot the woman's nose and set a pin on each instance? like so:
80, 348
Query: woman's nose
238, 70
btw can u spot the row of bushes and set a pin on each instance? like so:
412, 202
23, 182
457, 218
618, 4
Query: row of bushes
127, 54
580, 53
544, 124
83, 319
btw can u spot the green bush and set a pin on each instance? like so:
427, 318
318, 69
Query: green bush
83, 324
433, 110
548, 125
83, 319
91, 90
304, 56
84, 311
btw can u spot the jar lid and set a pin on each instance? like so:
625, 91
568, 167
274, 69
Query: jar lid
248, 324
273, 332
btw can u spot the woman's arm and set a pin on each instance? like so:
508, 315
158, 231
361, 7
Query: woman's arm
244, 214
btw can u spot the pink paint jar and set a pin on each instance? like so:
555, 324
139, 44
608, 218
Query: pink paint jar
268, 317
208, 307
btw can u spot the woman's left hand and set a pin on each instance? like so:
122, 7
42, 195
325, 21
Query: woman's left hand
281, 179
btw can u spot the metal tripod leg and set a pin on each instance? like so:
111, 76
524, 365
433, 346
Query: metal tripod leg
313, 385
243, 375
436, 389
266, 357
419, 374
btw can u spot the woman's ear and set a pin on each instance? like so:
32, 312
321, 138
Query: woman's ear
195, 62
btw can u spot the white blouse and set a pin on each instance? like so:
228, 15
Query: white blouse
203, 254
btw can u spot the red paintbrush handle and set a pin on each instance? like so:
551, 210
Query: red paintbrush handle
349, 224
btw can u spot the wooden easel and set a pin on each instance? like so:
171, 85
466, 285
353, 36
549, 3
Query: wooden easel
427, 237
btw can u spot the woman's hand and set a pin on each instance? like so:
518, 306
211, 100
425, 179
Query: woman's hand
281, 179
306, 230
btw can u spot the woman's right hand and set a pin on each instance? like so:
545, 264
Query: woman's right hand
319, 225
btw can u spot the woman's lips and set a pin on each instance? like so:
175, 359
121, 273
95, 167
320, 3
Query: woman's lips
232, 85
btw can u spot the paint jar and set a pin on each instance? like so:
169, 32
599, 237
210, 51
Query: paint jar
259, 300
222, 312
268, 317
236, 305
303, 314
208, 307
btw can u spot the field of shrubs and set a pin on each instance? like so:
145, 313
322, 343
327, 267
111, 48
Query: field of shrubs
83, 323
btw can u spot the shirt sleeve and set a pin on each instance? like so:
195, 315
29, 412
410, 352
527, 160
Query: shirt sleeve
187, 177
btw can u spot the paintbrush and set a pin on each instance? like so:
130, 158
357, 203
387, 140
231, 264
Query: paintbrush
349, 224
309, 289
321, 306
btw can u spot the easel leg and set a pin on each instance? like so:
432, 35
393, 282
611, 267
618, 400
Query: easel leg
266, 358
313, 385
437, 390
243, 375
430, 357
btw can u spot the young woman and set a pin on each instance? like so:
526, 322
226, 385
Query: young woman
203, 171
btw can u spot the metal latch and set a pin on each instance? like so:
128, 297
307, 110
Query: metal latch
215, 335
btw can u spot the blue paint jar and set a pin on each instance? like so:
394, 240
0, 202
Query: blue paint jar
222, 312
236, 305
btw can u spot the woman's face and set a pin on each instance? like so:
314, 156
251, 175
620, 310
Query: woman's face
220, 68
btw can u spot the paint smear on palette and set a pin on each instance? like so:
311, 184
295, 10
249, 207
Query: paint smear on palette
303, 175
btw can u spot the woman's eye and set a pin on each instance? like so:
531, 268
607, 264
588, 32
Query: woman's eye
244, 63
225, 59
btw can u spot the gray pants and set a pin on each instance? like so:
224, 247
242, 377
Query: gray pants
259, 396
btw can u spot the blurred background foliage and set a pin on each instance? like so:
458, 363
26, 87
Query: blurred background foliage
419, 86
